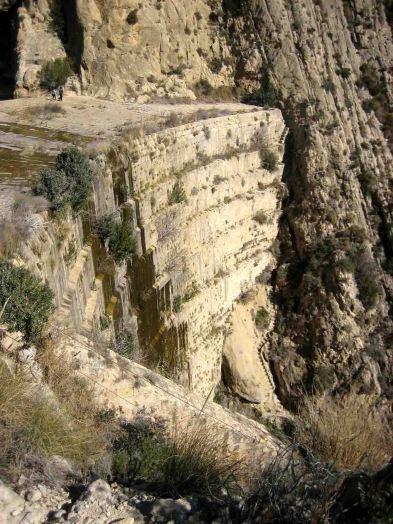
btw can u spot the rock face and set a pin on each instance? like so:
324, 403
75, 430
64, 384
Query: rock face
38, 39
204, 248
329, 68
136, 49
205, 212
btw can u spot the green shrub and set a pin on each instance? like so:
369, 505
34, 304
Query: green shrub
68, 182
55, 73
122, 244
177, 194
105, 226
262, 318
121, 241
269, 160
27, 303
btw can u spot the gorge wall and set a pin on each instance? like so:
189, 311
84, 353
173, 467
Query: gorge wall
328, 66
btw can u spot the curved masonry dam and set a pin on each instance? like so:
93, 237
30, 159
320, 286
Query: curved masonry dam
195, 259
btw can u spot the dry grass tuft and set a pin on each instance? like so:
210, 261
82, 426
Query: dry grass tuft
192, 459
200, 460
348, 432
40, 423
46, 111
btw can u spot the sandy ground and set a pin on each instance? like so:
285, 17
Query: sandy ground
95, 118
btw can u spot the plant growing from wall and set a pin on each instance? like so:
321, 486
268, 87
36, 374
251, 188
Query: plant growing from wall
25, 303
55, 73
262, 318
269, 160
68, 183
177, 194
119, 237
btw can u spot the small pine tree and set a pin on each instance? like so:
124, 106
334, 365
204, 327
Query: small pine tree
177, 195
25, 302
55, 73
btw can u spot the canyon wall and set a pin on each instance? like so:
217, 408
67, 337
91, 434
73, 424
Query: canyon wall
328, 65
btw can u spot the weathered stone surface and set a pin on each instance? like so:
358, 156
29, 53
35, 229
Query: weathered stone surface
245, 373
132, 389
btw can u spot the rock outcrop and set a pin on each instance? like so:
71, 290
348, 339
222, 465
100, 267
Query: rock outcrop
204, 208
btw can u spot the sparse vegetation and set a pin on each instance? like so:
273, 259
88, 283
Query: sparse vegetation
68, 183
190, 460
119, 237
21, 221
35, 426
25, 303
177, 194
262, 318
126, 346
269, 160
347, 432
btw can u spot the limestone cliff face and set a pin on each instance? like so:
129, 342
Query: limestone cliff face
204, 210
330, 64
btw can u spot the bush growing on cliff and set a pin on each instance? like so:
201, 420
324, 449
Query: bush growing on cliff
177, 194
269, 160
55, 73
25, 303
262, 318
118, 235
68, 182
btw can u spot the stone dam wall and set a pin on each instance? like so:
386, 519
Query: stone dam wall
195, 257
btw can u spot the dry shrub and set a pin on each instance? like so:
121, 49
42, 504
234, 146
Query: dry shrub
348, 431
200, 460
190, 459
37, 424
289, 490
48, 111
21, 220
